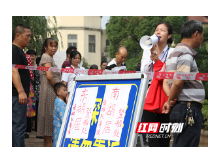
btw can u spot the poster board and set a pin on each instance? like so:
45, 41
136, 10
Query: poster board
131, 116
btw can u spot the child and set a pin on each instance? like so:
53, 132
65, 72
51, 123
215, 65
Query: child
59, 109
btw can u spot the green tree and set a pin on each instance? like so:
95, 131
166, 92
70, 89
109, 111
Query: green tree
39, 30
132, 63
85, 63
202, 59
127, 31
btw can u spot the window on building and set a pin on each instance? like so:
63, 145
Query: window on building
91, 43
72, 44
107, 42
72, 40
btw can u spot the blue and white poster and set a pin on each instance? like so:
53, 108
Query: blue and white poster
110, 122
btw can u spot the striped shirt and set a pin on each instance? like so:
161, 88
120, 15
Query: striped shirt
182, 60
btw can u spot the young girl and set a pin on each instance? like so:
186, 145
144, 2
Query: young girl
59, 109
68, 78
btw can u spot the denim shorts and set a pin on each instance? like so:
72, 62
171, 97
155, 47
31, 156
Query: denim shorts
190, 135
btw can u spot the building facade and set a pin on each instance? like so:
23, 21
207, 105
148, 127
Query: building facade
85, 33
104, 47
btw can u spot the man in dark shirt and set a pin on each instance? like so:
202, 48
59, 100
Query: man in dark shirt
20, 84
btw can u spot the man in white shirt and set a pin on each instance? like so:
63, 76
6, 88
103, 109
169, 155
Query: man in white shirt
118, 63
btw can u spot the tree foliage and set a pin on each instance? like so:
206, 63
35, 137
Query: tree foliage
202, 58
39, 30
85, 63
127, 31
205, 114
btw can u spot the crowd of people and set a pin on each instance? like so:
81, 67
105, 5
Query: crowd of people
39, 98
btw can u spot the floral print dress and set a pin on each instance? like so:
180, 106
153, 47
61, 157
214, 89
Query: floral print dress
46, 99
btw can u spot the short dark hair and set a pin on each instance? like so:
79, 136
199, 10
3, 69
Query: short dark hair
69, 49
94, 67
47, 42
170, 31
73, 54
57, 87
103, 62
190, 27
20, 28
31, 52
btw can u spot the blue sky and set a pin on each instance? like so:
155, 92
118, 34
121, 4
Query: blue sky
104, 20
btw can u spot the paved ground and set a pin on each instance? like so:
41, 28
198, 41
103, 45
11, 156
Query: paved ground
32, 141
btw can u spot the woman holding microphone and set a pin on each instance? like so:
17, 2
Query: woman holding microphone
153, 60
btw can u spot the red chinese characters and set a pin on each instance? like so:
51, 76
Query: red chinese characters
84, 95
115, 94
121, 113
112, 112
147, 127
107, 127
95, 72
111, 109
202, 76
81, 113
77, 123
163, 75
73, 109
184, 76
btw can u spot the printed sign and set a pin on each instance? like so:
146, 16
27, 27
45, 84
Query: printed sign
105, 105
81, 112
112, 113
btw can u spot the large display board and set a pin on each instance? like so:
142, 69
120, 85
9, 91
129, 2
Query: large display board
103, 111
